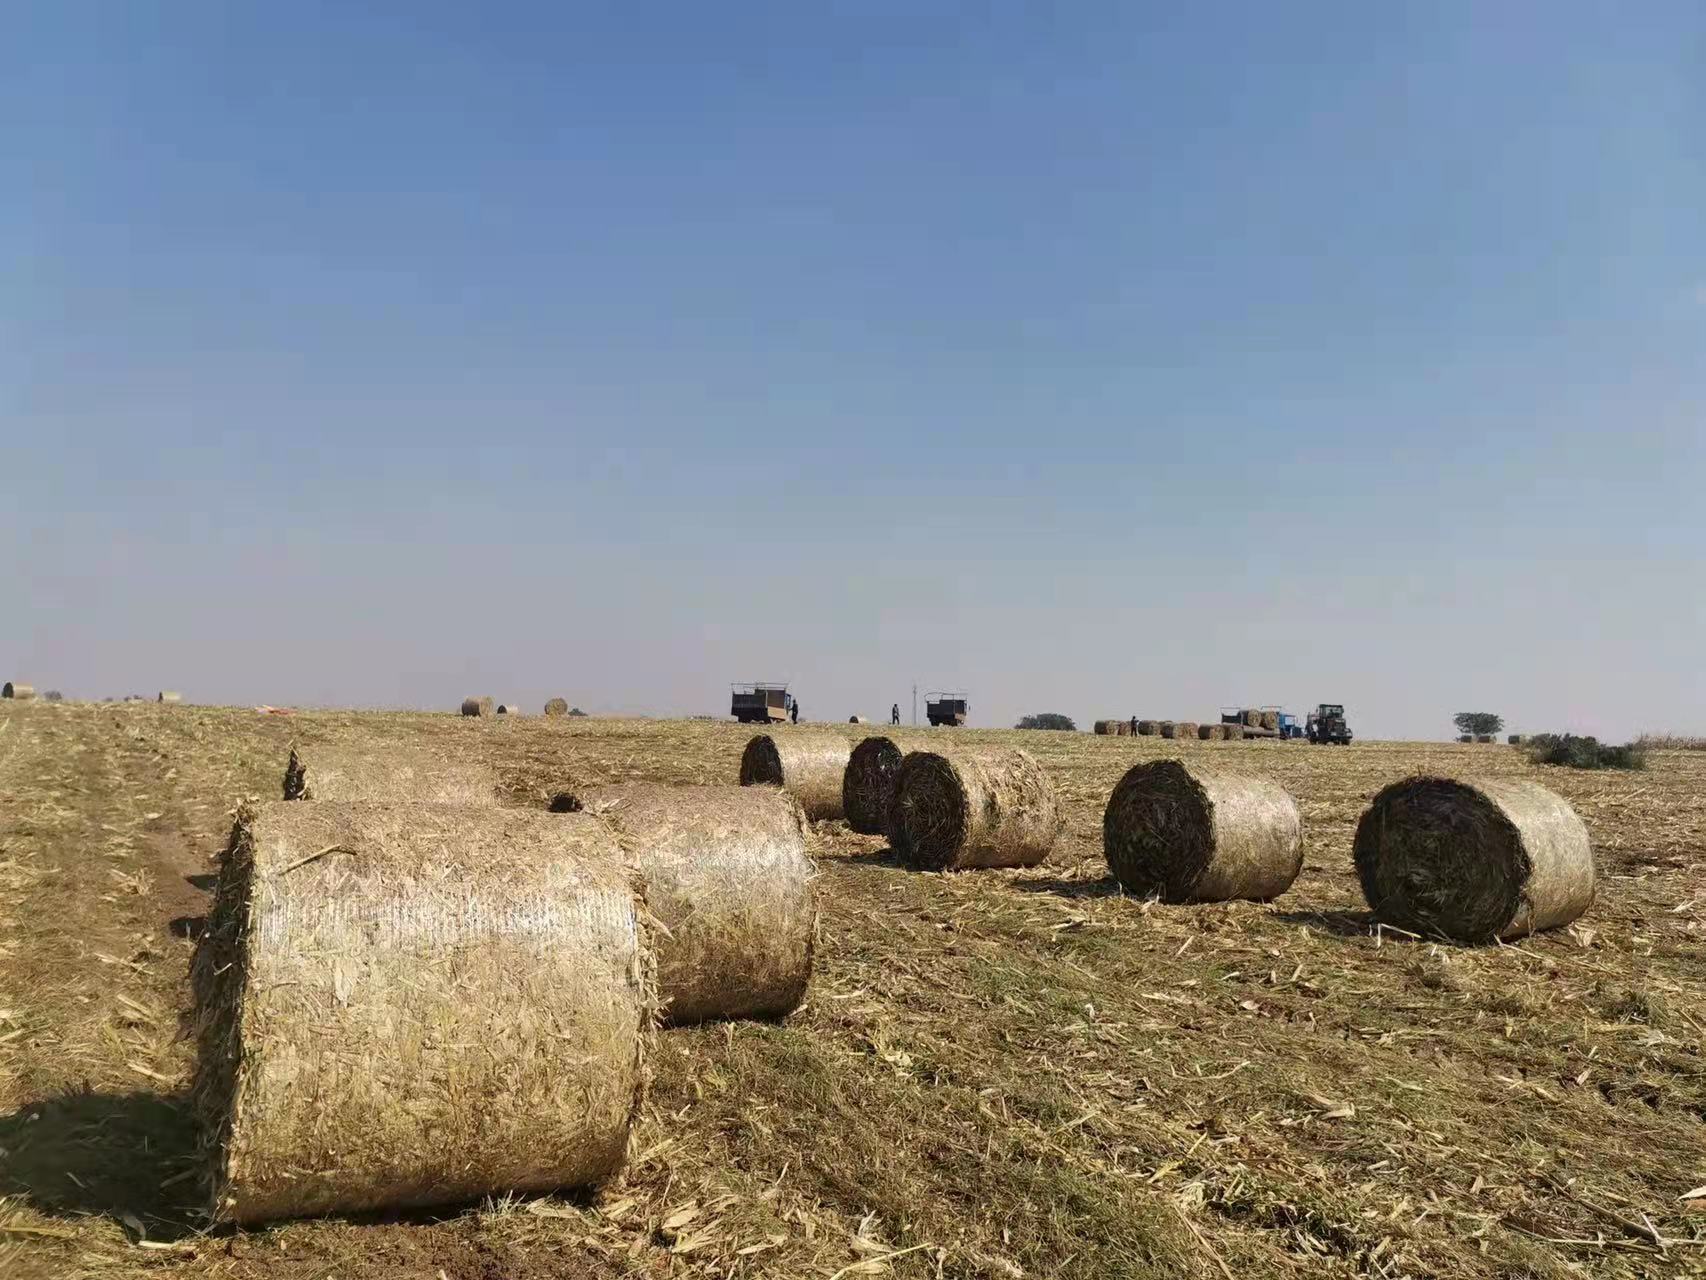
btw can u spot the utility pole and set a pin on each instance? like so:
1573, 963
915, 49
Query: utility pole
914, 706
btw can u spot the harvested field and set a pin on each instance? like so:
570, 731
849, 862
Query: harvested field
1013, 1072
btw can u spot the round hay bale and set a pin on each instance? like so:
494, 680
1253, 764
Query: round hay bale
411, 1005
1515, 740
1465, 737
973, 808
477, 706
1483, 737
1148, 728
509, 709
1270, 720
168, 695
867, 783
1232, 732
1210, 733
387, 775
1168, 729
1191, 833
725, 873
13, 689
808, 765
1183, 730
1122, 728
1105, 728
556, 707
1252, 719
1473, 861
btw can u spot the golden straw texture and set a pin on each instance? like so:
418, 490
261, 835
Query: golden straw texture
966, 807
808, 765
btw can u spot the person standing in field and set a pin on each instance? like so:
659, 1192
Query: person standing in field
894, 714
794, 711
1134, 726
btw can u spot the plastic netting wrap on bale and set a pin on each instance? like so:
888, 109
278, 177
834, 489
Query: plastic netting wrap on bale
388, 774
1148, 728
409, 1005
556, 707
1473, 861
971, 807
1190, 833
808, 765
478, 706
13, 689
867, 784
725, 873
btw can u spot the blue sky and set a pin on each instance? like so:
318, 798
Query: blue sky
1104, 358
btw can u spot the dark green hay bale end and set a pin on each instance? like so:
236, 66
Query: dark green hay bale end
1473, 861
1190, 833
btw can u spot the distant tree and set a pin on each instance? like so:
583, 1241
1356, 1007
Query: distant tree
1476, 723
1047, 720
576, 711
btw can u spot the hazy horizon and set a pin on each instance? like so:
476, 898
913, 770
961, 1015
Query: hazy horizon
1116, 361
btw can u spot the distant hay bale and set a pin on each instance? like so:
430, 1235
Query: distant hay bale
478, 706
725, 873
411, 1005
1122, 728
1107, 728
1466, 737
1483, 737
167, 695
1169, 729
857, 720
1148, 728
18, 691
808, 765
1182, 731
1514, 740
1252, 719
556, 707
1270, 720
388, 775
1232, 732
1209, 733
971, 807
509, 709
1473, 861
1190, 833
867, 783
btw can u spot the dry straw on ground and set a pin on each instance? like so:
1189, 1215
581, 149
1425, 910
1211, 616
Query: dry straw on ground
1473, 861
1192, 833
387, 774
556, 707
809, 765
412, 1005
973, 807
477, 706
19, 691
725, 873
867, 784
1148, 728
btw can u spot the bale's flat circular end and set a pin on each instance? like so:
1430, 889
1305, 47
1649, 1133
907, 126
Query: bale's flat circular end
761, 763
556, 707
1158, 831
868, 784
1440, 858
929, 817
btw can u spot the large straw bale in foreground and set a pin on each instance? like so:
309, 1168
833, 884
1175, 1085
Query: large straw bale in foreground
13, 689
867, 784
808, 765
408, 1005
1473, 861
478, 706
1192, 833
388, 774
972, 807
725, 872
